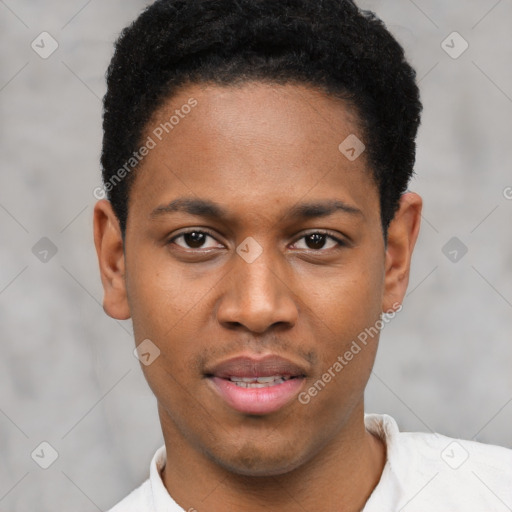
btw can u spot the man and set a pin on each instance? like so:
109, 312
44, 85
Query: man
256, 157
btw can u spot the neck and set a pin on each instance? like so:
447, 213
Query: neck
340, 477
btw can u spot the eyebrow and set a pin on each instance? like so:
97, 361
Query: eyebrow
210, 209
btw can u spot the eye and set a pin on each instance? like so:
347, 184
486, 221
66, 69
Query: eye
193, 239
196, 239
318, 239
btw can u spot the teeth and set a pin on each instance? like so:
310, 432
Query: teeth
244, 379
259, 382
268, 380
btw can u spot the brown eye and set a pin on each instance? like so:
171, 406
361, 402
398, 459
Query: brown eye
318, 240
194, 239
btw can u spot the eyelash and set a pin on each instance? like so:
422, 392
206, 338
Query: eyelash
340, 243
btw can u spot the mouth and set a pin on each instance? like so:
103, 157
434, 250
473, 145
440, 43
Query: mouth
261, 382
256, 386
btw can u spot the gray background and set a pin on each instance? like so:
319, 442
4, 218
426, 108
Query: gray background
67, 372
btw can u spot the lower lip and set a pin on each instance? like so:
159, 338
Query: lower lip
257, 400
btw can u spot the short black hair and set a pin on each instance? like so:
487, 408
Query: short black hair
328, 44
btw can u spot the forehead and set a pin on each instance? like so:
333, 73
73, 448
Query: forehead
251, 145
272, 114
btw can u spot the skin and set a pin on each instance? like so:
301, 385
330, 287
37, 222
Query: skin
258, 150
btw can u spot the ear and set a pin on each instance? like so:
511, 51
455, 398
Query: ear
109, 247
402, 235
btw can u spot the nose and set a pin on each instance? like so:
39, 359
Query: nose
257, 295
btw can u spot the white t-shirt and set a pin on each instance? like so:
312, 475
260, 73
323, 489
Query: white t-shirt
423, 473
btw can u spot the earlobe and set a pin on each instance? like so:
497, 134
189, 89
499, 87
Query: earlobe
402, 235
109, 248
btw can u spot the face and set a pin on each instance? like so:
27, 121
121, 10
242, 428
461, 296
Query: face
253, 249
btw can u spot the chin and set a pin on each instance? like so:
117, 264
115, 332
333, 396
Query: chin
255, 462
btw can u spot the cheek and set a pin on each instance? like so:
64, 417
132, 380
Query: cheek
161, 297
346, 353
350, 298
167, 308
347, 314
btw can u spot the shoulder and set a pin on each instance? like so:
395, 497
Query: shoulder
136, 501
456, 456
433, 471
151, 495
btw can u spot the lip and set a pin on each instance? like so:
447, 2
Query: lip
256, 401
250, 366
